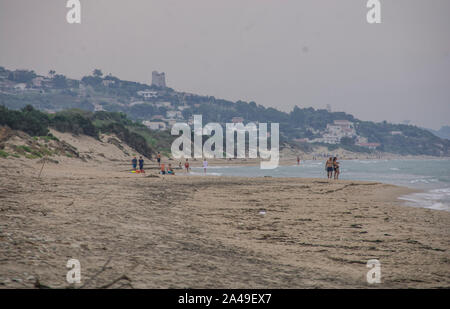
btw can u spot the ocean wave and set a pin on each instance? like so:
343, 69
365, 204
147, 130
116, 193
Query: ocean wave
438, 199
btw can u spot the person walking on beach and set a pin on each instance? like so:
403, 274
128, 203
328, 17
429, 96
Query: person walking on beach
329, 168
186, 165
336, 168
298, 160
158, 158
141, 164
205, 165
134, 163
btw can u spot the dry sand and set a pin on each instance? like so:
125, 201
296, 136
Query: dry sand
207, 232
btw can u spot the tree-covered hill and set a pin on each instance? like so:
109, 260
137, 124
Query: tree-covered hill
37, 124
109, 93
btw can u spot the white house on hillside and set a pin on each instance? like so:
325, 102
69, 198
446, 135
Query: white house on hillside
155, 125
147, 94
174, 114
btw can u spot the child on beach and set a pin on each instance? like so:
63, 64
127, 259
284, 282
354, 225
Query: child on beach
163, 169
134, 163
329, 168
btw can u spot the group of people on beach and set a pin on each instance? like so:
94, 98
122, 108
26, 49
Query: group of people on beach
162, 166
187, 168
135, 161
332, 165
163, 170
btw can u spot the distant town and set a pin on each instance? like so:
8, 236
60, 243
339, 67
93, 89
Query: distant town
159, 107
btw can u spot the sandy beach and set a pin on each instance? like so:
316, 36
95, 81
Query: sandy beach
148, 231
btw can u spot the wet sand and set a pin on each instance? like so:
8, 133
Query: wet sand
150, 231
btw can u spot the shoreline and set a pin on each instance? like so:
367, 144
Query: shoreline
212, 232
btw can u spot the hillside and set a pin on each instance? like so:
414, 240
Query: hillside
33, 134
159, 108
443, 132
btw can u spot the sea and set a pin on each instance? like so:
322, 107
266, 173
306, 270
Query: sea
430, 176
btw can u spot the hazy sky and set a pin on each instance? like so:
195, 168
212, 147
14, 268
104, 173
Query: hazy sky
278, 53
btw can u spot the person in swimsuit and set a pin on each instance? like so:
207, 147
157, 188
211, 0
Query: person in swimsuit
186, 165
163, 169
134, 163
158, 158
336, 168
329, 168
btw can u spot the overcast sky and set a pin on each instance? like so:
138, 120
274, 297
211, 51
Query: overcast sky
276, 53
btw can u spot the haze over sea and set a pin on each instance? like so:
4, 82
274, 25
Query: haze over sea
432, 176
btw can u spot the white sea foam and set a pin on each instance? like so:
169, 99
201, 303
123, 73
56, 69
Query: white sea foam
433, 199
214, 167
202, 174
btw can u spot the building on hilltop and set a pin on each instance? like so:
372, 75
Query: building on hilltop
341, 128
157, 117
396, 133
159, 79
174, 114
155, 125
371, 146
147, 94
336, 131
237, 120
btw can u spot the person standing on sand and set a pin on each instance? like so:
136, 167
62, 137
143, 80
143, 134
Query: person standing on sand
158, 158
298, 160
186, 165
329, 168
134, 163
141, 164
205, 165
336, 168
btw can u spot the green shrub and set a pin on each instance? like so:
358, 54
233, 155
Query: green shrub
36, 153
3, 154
30, 156
25, 148
28, 119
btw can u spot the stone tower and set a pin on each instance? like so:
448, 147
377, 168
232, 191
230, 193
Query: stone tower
159, 79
